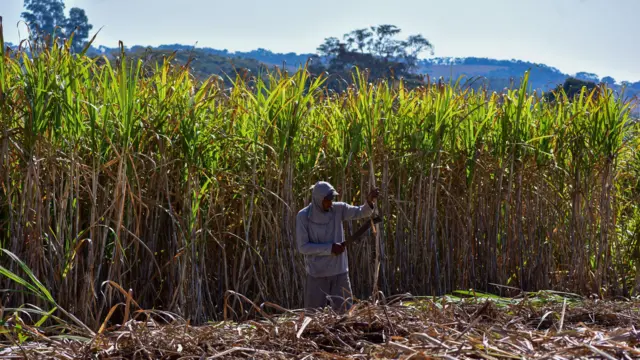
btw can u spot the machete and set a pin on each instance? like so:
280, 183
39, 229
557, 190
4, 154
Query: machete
363, 229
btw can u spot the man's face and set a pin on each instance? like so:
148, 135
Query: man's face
326, 204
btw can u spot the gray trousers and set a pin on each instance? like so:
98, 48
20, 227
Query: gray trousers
334, 290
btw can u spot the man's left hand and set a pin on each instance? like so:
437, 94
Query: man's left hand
337, 249
373, 196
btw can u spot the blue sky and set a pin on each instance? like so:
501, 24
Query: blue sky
600, 36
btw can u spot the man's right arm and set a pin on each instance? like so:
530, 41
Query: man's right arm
305, 246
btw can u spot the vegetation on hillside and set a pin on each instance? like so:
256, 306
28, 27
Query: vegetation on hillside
262, 55
115, 177
201, 65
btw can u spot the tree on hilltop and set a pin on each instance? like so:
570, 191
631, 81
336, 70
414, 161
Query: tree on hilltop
78, 25
585, 76
608, 80
572, 87
376, 49
46, 20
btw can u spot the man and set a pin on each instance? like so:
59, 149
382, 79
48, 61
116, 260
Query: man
320, 237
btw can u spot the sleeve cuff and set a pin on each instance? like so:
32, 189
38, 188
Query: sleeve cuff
329, 247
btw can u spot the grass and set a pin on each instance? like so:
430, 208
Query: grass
121, 183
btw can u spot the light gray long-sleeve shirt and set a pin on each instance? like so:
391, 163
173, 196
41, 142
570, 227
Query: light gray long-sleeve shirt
316, 233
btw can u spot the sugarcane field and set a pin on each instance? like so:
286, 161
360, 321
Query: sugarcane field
366, 202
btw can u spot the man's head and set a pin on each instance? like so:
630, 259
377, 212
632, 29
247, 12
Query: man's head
327, 202
324, 194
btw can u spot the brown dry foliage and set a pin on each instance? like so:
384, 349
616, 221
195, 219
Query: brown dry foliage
469, 329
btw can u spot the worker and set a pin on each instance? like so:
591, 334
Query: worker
320, 238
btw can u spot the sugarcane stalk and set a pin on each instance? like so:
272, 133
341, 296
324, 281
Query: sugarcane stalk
372, 185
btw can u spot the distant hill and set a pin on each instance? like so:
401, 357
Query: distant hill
542, 77
203, 64
498, 72
262, 55
266, 57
